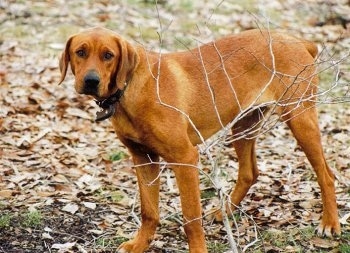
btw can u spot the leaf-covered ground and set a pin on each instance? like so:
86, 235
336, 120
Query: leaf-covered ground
67, 184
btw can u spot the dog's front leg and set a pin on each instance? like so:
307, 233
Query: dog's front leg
147, 171
188, 182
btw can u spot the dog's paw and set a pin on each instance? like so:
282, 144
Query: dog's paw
328, 229
122, 250
127, 247
132, 246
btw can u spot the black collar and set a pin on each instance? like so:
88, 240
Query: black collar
108, 105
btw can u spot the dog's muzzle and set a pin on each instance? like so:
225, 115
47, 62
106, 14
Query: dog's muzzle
91, 83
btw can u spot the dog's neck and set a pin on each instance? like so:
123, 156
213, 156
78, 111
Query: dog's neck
108, 105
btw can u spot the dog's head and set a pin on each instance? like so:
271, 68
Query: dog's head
100, 60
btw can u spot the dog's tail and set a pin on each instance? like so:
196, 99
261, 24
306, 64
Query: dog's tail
311, 47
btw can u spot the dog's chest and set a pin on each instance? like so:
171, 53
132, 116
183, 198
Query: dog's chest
124, 127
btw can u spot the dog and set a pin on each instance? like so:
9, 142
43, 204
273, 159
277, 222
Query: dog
164, 104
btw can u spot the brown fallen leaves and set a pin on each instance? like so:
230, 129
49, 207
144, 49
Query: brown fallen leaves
57, 161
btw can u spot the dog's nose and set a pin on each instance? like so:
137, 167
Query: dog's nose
91, 83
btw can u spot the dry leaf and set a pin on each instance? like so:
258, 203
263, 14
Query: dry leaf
6, 193
46, 236
55, 159
64, 246
71, 208
324, 243
344, 220
90, 205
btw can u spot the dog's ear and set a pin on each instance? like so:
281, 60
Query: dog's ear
128, 61
64, 60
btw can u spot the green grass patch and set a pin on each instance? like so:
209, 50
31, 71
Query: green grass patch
344, 248
208, 194
117, 196
115, 155
297, 239
279, 238
110, 194
5, 220
217, 247
104, 242
32, 219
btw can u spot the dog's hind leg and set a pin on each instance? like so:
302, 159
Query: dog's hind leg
248, 127
247, 174
306, 131
248, 171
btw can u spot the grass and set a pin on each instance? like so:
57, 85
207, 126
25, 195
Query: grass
117, 156
208, 194
217, 247
104, 242
117, 196
29, 219
32, 219
296, 239
5, 220
110, 194
344, 247
288, 239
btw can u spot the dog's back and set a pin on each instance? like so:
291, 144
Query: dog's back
233, 74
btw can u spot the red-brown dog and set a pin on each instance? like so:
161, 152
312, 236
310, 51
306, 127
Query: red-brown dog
163, 105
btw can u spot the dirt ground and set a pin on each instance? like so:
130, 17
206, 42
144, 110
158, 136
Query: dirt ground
68, 185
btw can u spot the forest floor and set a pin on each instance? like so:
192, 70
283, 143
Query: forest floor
67, 184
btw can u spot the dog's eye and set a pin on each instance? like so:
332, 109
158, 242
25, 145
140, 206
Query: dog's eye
107, 56
81, 53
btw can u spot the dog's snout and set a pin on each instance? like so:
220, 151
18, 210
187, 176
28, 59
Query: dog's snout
91, 83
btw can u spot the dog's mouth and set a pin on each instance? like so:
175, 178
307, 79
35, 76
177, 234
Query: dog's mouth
99, 95
106, 104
